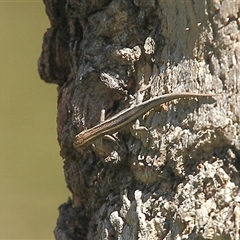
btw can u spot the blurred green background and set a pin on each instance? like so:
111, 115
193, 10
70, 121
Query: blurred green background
32, 183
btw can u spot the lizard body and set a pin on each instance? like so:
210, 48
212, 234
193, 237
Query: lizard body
128, 115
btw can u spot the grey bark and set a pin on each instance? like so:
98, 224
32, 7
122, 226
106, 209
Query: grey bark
177, 177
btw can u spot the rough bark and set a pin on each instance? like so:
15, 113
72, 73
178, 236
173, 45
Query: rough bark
178, 176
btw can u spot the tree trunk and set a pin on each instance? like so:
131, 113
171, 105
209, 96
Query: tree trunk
176, 176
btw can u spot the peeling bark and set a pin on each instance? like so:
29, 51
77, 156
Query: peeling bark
176, 177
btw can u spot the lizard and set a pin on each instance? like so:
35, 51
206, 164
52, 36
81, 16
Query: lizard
126, 116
